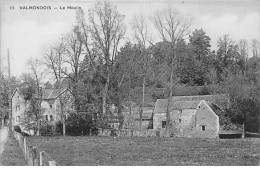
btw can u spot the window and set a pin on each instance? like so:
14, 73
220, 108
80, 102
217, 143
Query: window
179, 120
203, 128
46, 117
51, 117
18, 107
163, 124
51, 106
18, 118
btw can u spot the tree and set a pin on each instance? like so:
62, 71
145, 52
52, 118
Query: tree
229, 60
243, 48
196, 60
35, 108
126, 76
140, 30
54, 60
4, 98
245, 103
107, 29
172, 27
255, 47
31, 93
199, 44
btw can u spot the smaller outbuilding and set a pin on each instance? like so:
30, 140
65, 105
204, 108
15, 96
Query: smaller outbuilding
188, 118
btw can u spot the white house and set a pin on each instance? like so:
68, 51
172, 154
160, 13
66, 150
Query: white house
50, 105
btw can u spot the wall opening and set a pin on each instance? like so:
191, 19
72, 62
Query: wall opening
18, 118
163, 124
203, 128
51, 117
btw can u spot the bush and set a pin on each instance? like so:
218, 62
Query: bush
204, 91
59, 128
17, 129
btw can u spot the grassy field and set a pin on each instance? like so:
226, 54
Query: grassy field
149, 151
12, 154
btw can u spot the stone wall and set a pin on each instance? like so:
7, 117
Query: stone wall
189, 122
206, 117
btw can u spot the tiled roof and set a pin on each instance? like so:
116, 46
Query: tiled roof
147, 112
46, 93
181, 105
186, 102
51, 93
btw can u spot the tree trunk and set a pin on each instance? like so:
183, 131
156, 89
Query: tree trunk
130, 105
142, 104
120, 115
63, 119
104, 98
38, 127
168, 127
63, 125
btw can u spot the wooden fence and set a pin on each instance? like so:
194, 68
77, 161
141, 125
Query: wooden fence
33, 155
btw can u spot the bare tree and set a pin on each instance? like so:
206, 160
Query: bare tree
224, 43
35, 67
243, 48
172, 27
53, 59
255, 47
140, 31
91, 51
107, 29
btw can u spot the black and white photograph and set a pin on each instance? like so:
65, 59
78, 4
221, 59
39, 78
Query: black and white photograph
129, 83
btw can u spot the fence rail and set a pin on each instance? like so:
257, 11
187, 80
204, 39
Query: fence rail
33, 155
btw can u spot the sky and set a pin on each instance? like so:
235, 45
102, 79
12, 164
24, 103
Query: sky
27, 32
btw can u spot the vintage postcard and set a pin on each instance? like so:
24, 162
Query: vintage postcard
129, 83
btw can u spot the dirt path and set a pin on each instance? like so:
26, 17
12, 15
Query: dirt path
3, 138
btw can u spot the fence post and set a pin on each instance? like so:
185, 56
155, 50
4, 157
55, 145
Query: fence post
41, 158
34, 157
25, 148
52, 163
30, 155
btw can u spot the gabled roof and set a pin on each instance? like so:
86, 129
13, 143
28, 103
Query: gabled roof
17, 89
48, 94
181, 105
160, 106
191, 102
